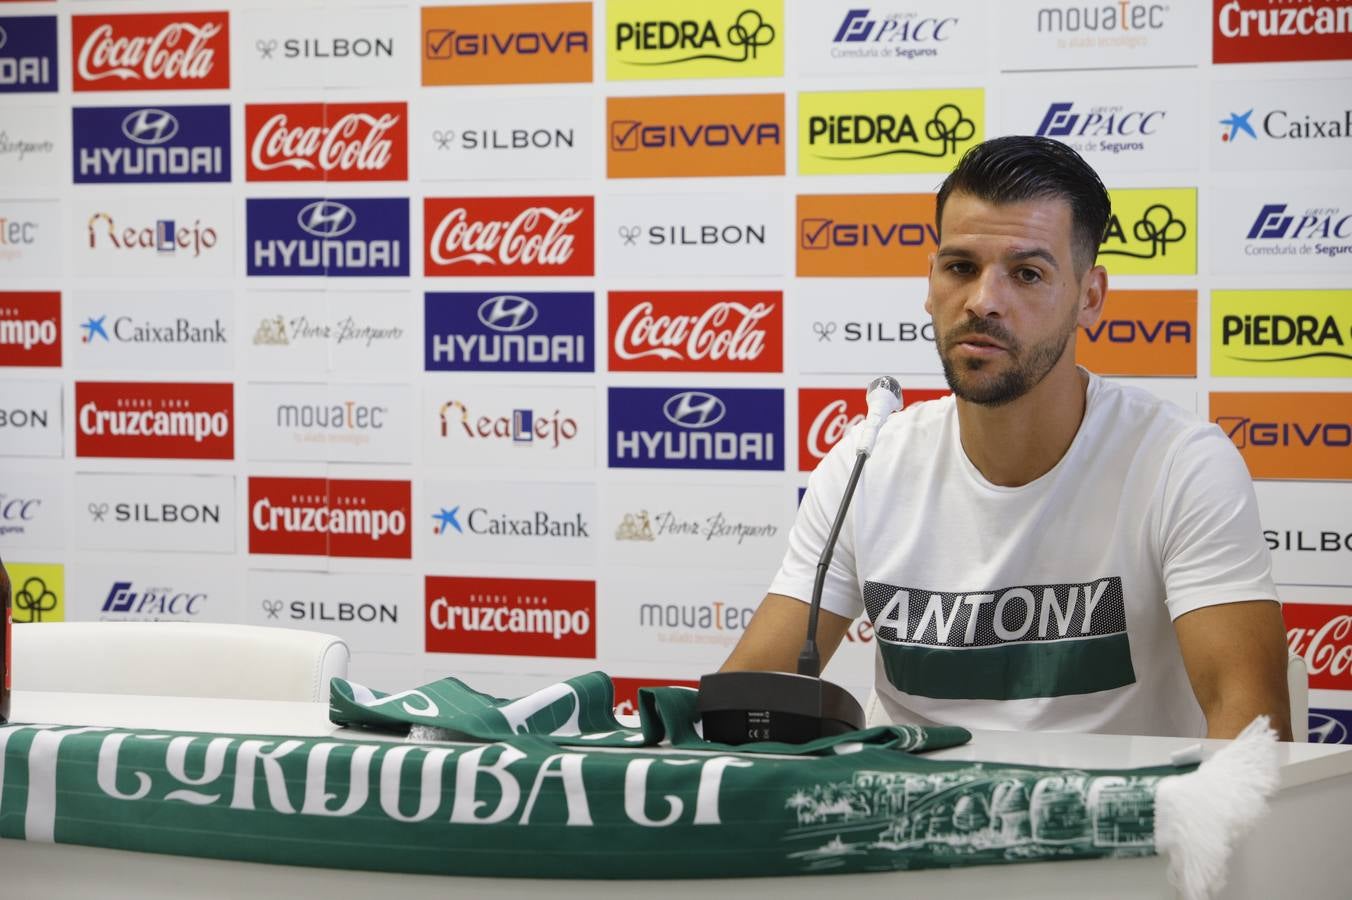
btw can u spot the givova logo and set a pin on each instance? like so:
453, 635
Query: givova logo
1151, 232
1281, 333
1289, 435
493, 332
38, 592
518, 43
329, 237
724, 428
694, 39
1005, 643
27, 54
1142, 333
883, 132
143, 145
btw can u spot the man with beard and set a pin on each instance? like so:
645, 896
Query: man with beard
1043, 550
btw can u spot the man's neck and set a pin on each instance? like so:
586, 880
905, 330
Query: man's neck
1019, 442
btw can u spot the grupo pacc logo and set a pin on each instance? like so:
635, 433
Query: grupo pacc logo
511, 616
326, 141
1151, 232
1289, 229
333, 237
150, 144
330, 517
880, 132
865, 235
1247, 31
696, 428
1289, 435
1142, 333
1281, 333
30, 328
27, 54
696, 331
493, 236
694, 39
509, 332
154, 420
518, 43
825, 416
152, 603
669, 137
1321, 633
151, 51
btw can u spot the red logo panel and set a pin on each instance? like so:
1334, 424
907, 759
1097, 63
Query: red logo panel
626, 691
30, 328
511, 616
326, 142
154, 420
696, 331
327, 517
826, 414
479, 236
1245, 31
151, 51
1322, 634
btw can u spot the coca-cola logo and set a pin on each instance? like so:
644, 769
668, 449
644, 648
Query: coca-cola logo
826, 415
829, 426
740, 331
163, 50
327, 142
330, 517
1322, 635
516, 236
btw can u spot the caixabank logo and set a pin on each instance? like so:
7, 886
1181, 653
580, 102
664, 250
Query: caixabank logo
1289, 435
1321, 633
150, 144
511, 616
1142, 333
696, 428
154, 420
348, 237
509, 332
517, 43
1247, 31
647, 39
675, 137
496, 236
696, 331
326, 141
887, 132
28, 54
151, 51
1152, 231
30, 328
1298, 334
826, 415
38, 592
330, 517
1282, 124
865, 235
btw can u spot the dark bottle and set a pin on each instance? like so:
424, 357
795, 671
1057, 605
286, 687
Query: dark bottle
5, 649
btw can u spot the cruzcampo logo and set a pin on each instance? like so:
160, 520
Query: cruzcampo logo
1152, 231
887, 132
647, 39
38, 592
1297, 334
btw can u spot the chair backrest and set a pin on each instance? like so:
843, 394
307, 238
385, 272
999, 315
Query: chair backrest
1298, 689
242, 662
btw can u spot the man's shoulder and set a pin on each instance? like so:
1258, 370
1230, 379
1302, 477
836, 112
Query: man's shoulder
1127, 407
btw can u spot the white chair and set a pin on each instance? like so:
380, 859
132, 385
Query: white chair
1297, 689
242, 662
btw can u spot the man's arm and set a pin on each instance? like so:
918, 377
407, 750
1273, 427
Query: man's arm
1235, 654
775, 634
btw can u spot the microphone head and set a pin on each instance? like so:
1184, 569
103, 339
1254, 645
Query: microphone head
887, 383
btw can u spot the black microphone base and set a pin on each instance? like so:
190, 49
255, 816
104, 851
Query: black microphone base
741, 707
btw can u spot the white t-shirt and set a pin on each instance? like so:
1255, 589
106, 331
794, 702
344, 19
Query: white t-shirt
1044, 607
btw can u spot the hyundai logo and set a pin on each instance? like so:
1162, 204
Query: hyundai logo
508, 313
150, 126
694, 409
1326, 729
327, 218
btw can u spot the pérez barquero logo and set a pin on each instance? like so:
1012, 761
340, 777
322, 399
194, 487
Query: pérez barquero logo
1289, 434
511, 616
696, 331
495, 236
333, 237
518, 43
865, 235
30, 328
330, 517
702, 136
509, 332
326, 141
651, 39
151, 144
1269, 334
151, 51
27, 54
696, 428
887, 132
154, 420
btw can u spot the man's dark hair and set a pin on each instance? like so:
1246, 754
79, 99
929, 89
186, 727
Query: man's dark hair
1021, 167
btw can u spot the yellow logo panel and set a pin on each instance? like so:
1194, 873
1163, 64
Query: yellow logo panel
1153, 231
38, 592
1274, 334
650, 39
887, 132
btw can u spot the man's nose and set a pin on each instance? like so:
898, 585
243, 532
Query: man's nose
987, 296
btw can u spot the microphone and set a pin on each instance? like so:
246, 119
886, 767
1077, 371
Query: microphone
740, 707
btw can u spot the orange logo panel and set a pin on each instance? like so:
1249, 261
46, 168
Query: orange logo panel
867, 235
518, 43
1289, 435
673, 137
1142, 333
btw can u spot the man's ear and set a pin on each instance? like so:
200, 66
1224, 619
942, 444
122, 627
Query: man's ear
929, 307
1093, 294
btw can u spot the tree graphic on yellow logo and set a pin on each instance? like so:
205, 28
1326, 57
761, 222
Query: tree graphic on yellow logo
39, 592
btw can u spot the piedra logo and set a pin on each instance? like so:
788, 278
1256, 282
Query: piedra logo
1151, 232
1281, 333
880, 132
694, 39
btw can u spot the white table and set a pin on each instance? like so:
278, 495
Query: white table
1296, 851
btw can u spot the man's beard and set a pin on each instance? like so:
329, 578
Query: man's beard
1026, 370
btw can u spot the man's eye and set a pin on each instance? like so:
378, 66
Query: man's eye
1028, 276
960, 268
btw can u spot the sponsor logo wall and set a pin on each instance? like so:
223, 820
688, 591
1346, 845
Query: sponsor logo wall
445, 327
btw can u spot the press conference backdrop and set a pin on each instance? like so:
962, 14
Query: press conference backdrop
501, 339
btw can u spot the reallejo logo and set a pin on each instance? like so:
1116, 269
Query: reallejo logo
1289, 435
694, 39
825, 416
154, 420
327, 141
1151, 232
39, 591
519, 43
1142, 333
865, 235
1245, 31
670, 137
881, 132
511, 616
151, 51
486, 236
1281, 333
330, 517
30, 328
732, 331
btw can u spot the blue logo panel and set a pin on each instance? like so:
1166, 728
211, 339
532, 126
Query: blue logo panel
150, 144
1330, 726
28, 54
334, 237
508, 331
696, 428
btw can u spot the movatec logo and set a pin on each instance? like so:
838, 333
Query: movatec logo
30, 328
152, 603
887, 131
371, 423
694, 39
1056, 34
722, 428
151, 51
526, 332
330, 237
143, 145
511, 616
27, 54
330, 517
